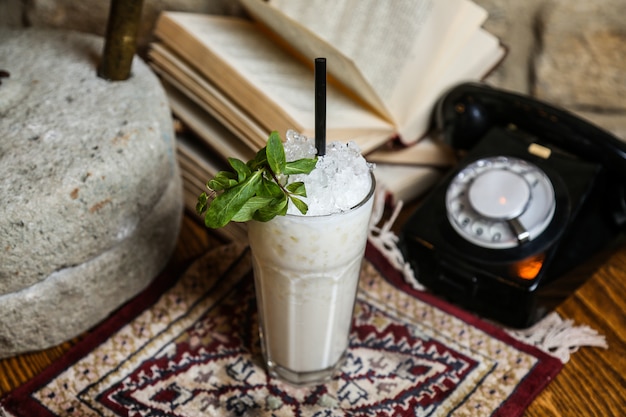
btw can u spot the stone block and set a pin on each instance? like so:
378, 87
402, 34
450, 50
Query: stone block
91, 192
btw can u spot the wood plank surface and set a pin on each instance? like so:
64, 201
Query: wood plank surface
593, 383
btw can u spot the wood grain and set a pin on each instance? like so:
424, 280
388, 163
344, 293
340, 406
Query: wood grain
593, 383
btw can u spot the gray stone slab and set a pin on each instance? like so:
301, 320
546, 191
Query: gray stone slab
82, 160
74, 299
85, 164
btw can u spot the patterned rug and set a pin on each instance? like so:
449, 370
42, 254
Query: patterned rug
191, 348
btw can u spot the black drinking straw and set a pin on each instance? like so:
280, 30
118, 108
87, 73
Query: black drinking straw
320, 106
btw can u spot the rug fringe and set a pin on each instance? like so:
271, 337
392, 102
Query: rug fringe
386, 241
552, 334
4, 413
559, 337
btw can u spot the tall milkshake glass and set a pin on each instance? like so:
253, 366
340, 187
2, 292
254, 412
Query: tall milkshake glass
306, 272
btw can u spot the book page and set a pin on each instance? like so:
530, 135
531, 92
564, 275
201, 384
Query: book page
193, 115
184, 78
248, 127
430, 151
401, 48
466, 23
310, 46
262, 78
377, 39
481, 55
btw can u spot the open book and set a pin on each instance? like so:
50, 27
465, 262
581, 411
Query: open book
387, 64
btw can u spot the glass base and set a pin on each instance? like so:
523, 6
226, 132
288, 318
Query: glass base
304, 378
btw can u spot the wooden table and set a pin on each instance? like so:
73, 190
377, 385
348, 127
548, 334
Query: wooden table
593, 383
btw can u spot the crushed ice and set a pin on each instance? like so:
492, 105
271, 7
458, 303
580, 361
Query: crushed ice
340, 180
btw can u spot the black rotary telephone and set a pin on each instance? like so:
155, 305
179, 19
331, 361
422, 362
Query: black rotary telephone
537, 192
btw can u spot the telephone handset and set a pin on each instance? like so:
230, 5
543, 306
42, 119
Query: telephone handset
469, 110
538, 191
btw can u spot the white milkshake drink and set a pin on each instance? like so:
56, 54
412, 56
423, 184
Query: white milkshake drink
306, 272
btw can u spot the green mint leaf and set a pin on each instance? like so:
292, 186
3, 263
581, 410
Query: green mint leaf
300, 166
269, 188
203, 201
297, 188
300, 205
243, 170
276, 153
226, 205
222, 181
246, 212
277, 207
256, 189
259, 161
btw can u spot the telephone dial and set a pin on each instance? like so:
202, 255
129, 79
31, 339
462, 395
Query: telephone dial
537, 192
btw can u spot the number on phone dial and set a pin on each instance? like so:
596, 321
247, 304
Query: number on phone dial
500, 202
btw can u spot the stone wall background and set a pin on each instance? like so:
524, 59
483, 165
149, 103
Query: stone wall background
571, 53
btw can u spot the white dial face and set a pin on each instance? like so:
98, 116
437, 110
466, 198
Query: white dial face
500, 202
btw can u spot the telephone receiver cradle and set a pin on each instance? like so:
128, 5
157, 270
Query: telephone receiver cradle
537, 192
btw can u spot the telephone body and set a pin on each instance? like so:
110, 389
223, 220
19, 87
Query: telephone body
537, 192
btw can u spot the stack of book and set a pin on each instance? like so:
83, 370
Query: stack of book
234, 80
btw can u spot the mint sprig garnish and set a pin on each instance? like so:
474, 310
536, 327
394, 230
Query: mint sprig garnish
255, 190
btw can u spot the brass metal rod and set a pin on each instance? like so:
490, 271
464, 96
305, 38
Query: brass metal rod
120, 42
